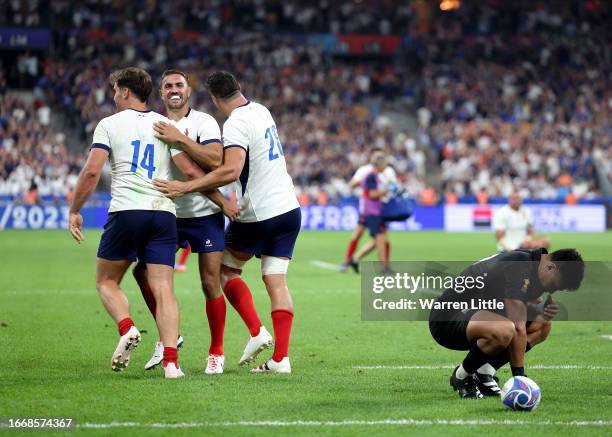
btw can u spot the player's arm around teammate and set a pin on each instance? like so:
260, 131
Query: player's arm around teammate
273, 269
209, 158
141, 224
175, 92
200, 225
270, 219
192, 171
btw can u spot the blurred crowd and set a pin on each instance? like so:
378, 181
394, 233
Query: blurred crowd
519, 103
508, 99
384, 17
34, 160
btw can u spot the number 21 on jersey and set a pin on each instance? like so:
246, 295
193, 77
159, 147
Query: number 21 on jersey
148, 158
272, 136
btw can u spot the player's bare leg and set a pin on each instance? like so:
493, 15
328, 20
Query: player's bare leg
108, 277
240, 297
210, 277
538, 331
488, 383
160, 279
352, 246
381, 240
280, 298
365, 250
140, 275
490, 334
282, 318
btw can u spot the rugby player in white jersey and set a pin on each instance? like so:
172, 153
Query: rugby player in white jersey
270, 217
513, 225
387, 178
200, 221
141, 223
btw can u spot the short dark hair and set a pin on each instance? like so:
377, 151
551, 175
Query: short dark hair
571, 267
173, 71
373, 150
222, 84
135, 79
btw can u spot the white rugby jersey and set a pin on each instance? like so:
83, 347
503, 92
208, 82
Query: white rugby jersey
388, 175
201, 128
386, 178
136, 158
515, 223
265, 189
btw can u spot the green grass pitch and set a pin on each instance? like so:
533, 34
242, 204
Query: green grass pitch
57, 341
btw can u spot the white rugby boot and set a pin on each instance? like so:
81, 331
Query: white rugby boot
173, 372
255, 346
271, 366
158, 354
214, 364
127, 343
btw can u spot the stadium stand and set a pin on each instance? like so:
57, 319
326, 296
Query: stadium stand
532, 113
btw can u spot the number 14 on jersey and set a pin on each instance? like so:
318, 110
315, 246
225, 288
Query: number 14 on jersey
148, 158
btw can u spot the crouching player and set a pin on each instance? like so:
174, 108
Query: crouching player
500, 336
270, 217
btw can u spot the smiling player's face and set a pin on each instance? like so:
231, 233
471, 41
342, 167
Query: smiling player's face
175, 91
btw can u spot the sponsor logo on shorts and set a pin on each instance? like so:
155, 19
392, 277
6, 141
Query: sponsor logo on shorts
208, 243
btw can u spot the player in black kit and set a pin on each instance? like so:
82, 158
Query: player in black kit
495, 337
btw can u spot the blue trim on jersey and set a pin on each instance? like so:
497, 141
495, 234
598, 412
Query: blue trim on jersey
244, 174
100, 146
244, 104
213, 140
148, 110
235, 145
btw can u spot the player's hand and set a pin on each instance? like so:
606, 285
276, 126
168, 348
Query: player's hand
167, 132
551, 309
75, 226
170, 189
231, 209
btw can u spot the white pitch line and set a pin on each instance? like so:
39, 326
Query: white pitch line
318, 423
608, 337
535, 366
325, 265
